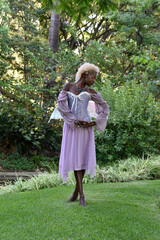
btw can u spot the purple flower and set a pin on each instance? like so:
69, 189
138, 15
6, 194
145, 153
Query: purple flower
76, 44
66, 22
102, 42
87, 42
125, 75
140, 75
45, 78
72, 75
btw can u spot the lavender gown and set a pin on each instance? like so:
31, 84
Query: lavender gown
78, 145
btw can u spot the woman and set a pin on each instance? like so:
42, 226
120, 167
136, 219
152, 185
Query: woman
78, 146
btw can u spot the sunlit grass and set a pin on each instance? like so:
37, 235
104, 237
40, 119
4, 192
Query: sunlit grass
114, 211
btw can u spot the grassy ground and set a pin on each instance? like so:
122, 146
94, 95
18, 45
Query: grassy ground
118, 211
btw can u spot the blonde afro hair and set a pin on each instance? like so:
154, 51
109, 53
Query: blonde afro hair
86, 67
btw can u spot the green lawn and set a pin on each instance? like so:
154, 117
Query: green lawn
126, 211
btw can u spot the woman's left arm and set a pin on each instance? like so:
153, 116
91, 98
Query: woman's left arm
102, 109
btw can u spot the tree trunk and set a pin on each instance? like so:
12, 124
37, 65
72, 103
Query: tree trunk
54, 31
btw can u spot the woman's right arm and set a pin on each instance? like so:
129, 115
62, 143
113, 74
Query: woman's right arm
64, 109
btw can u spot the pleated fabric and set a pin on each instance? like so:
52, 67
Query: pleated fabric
77, 151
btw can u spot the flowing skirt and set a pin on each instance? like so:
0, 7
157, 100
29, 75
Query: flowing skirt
77, 151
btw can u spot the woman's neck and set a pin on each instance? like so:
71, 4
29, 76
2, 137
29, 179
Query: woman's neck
80, 84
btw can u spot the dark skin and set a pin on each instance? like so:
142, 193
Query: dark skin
86, 80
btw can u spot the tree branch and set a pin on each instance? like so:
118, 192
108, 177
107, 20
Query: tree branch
154, 7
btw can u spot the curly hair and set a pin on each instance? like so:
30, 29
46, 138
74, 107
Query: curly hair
86, 67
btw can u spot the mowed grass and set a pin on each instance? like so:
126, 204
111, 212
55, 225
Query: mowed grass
126, 211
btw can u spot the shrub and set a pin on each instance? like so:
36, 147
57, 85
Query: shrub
16, 162
28, 133
133, 124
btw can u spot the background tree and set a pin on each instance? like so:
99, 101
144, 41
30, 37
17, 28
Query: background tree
24, 93
4, 36
82, 10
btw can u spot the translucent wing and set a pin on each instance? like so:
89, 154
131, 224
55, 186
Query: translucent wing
55, 115
92, 109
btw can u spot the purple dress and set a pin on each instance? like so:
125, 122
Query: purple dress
78, 145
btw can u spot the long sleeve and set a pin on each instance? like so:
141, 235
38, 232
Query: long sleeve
64, 109
102, 109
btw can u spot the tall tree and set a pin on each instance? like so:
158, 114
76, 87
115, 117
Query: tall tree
54, 30
81, 8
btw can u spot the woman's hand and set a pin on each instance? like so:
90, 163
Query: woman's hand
84, 124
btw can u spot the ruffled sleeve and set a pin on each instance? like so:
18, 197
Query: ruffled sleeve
102, 109
64, 109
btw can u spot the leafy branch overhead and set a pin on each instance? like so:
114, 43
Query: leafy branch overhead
80, 6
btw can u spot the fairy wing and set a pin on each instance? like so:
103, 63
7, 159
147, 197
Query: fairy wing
92, 109
55, 115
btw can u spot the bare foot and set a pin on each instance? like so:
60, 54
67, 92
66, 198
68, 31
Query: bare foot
82, 201
73, 198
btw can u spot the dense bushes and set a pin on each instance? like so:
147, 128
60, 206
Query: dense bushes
132, 128
28, 133
16, 162
133, 124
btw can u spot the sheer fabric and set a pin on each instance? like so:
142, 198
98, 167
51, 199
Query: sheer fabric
78, 145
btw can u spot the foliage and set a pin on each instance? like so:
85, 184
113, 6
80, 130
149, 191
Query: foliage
124, 43
27, 133
127, 40
136, 32
130, 169
16, 162
122, 171
133, 124
80, 6
26, 87
4, 35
